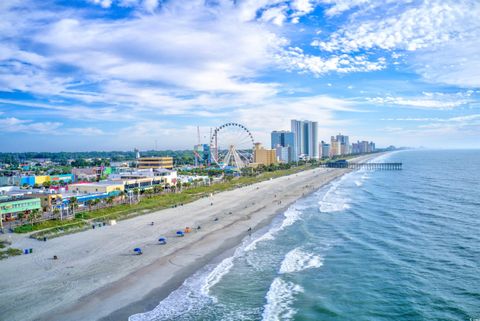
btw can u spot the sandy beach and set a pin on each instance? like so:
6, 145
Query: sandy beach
97, 276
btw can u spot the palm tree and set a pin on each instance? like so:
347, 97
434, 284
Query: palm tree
73, 204
90, 204
56, 212
109, 200
21, 216
34, 216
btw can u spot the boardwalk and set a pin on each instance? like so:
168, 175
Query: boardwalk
368, 166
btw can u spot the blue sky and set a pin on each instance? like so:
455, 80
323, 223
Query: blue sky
118, 74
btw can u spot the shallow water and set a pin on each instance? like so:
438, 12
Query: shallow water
379, 245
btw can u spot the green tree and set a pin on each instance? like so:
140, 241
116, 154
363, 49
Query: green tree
73, 204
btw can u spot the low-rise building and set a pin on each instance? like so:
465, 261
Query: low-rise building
264, 156
10, 207
157, 176
47, 200
96, 187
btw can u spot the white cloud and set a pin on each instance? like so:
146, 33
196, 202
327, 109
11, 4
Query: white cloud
456, 63
339, 6
296, 59
427, 101
102, 3
15, 125
453, 128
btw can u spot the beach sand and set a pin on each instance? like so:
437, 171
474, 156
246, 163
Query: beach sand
97, 276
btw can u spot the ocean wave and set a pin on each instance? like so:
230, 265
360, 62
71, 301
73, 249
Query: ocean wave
297, 260
192, 295
216, 275
291, 215
186, 298
280, 298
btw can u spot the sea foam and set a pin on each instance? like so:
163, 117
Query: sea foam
291, 215
280, 298
298, 260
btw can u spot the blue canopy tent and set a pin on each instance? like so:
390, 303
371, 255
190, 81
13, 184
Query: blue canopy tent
180, 233
162, 240
137, 250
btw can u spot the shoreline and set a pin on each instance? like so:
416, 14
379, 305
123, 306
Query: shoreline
97, 277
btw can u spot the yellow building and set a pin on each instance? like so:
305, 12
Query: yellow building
47, 200
155, 162
335, 147
264, 156
42, 179
98, 187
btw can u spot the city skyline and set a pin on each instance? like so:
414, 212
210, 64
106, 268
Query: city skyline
123, 74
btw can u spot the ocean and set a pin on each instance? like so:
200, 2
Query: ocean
372, 245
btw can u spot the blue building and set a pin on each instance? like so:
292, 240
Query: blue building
284, 139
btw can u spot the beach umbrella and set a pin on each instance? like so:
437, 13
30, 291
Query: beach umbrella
162, 240
180, 233
137, 250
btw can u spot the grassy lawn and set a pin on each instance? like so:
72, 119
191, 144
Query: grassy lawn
146, 205
44, 225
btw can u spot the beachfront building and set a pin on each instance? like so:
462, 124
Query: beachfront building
344, 144
335, 147
155, 162
166, 176
96, 187
263, 156
11, 207
305, 138
47, 200
324, 150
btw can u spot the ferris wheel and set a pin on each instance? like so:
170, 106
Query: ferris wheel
232, 145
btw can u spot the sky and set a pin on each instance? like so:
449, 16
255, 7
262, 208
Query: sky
83, 75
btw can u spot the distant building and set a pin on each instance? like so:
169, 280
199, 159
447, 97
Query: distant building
284, 139
324, 150
283, 153
344, 144
264, 156
335, 147
155, 162
88, 173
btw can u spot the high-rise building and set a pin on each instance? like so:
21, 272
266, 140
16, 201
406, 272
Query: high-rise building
335, 147
284, 139
324, 150
297, 130
283, 153
344, 144
306, 138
